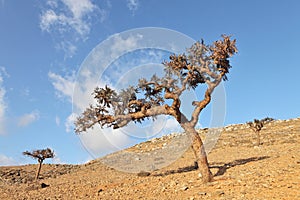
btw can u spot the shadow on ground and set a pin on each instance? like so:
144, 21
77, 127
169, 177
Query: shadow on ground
222, 168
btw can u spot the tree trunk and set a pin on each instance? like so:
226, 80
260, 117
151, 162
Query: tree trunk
258, 137
38, 170
200, 154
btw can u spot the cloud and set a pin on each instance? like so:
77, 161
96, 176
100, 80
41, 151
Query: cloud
172, 125
68, 47
29, 118
100, 142
56, 159
70, 15
133, 5
121, 44
7, 161
3, 105
64, 86
70, 122
70, 21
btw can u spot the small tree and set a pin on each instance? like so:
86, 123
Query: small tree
257, 125
203, 64
40, 155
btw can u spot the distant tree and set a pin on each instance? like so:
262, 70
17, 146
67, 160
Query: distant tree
40, 155
203, 64
257, 125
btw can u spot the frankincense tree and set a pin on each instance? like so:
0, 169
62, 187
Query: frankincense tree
40, 155
202, 64
257, 125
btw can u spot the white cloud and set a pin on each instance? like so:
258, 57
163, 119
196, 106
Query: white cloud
52, 3
74, 16
70, 122
133, 5
100, 142
79, 8
173, 126
7, 161
64, 86
29, 118
70, 21
56, 159
121, 44
68, 47
3, 105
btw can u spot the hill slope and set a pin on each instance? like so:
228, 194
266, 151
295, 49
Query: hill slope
242, 171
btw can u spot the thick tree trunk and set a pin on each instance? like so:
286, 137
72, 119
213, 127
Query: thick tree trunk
200, 154
38, 170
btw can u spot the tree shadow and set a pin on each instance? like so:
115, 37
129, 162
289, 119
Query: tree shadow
179, 170
223, 167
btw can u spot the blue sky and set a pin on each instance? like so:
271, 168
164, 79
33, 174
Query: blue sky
44, 46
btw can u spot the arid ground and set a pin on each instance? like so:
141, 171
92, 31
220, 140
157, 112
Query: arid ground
242, 170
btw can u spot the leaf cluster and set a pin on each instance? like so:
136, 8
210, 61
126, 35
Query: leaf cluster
257, 125
40, 154
202, 64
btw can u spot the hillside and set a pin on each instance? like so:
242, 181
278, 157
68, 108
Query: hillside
242, 170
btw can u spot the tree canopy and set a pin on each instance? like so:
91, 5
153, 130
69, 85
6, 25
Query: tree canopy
201, 64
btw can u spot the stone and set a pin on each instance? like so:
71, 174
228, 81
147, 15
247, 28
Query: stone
143, 174
219, 193
100, 190
184, 188
44, 185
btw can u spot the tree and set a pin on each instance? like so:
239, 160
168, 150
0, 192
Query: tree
203, 64
40, 155
257, 125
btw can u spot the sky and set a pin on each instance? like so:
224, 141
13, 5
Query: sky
54, 52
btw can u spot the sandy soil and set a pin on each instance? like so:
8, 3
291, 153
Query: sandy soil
242, 171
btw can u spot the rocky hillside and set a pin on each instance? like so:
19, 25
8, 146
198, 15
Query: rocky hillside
163, 168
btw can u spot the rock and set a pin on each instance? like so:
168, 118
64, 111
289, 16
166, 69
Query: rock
202, 193
100, 190
143, 174
219, 193
44, 185
184, 188
200, 175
